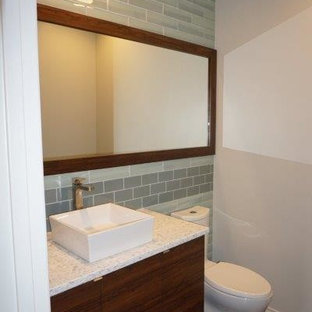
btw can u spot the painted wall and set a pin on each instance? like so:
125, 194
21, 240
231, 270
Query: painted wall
68, 94
262, 204
159, 91
23, 264
268, 91
104, 95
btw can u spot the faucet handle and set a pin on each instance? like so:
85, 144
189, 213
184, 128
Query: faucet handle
78, 180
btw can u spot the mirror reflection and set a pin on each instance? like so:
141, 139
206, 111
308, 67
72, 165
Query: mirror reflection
105, 95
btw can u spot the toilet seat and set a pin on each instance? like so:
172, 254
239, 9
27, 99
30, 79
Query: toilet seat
237, 281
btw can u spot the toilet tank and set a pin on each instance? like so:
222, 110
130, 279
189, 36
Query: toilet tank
196, 214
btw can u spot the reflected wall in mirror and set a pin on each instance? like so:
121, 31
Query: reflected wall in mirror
106, 95
113, 95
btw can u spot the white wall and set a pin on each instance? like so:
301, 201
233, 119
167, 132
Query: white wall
23, 262
104, 95
267, 90
68, 90
159, 91
262, 205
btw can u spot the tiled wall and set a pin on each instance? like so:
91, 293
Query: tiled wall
188, 20
161, 186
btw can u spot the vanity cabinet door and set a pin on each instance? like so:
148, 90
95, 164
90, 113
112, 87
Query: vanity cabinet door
183, 277
84, 298
136, 288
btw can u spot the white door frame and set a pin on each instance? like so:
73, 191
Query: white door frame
23, 248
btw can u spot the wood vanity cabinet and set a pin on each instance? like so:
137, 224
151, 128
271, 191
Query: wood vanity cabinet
183, 278
84, 298
172, 281
134, 288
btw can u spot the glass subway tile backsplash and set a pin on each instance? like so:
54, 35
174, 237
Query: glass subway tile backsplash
152, 185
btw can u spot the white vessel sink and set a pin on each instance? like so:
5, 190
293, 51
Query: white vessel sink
101, 231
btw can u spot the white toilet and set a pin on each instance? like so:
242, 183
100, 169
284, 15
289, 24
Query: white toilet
229, 287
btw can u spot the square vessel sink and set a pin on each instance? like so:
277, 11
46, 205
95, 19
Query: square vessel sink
101, 231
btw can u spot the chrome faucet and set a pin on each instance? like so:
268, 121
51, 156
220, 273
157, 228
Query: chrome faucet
78, 187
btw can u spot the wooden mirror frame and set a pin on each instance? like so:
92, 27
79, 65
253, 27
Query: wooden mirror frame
87, 23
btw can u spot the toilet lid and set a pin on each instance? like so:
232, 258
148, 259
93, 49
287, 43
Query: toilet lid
193, 214
236, 280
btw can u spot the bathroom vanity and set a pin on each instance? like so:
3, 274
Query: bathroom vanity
166, 274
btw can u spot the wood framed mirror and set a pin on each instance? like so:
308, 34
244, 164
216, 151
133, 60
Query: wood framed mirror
141, 151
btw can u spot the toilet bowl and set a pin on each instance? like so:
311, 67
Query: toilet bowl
232, 288
229, 287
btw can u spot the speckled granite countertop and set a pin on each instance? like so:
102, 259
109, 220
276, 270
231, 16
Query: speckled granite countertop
67, 270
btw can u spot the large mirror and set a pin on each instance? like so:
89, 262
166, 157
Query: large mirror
110, 101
